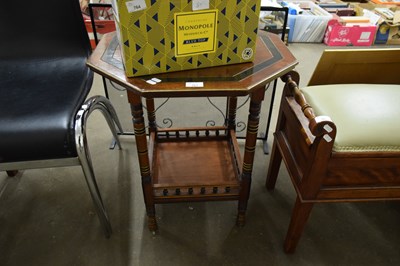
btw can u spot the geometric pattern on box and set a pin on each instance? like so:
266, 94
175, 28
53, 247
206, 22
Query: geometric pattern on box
147, 36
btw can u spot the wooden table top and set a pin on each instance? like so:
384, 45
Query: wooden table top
272, 60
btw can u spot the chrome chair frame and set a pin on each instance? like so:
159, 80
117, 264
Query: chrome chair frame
83, 159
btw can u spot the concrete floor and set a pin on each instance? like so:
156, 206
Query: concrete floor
47, 216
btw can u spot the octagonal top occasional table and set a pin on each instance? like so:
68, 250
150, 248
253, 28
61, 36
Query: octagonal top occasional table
196, 163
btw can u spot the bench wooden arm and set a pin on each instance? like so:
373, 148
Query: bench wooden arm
318, 125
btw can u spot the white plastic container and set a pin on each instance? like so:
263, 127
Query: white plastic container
307, 21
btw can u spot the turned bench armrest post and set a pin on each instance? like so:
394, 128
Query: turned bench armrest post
320, 151
317, 125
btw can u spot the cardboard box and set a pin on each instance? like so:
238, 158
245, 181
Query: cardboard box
158, 36
339, 33
389, 26
388, 33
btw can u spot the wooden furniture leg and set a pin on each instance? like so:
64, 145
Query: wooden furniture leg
276, 156
231, 118
12, 173
143, 154
250, 146
301, 212
273, 169
151, 114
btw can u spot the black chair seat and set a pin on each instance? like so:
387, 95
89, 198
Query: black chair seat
44, 82
39, 120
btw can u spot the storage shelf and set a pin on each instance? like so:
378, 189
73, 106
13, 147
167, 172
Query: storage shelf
195, 163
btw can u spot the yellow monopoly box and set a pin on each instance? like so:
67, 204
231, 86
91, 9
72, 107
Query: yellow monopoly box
158, 36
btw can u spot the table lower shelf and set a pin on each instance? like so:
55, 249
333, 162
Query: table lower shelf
195, 164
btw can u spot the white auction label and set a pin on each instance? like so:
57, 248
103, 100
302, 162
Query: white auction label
200, 4
152, 82
195, 84
135, 5
156, 80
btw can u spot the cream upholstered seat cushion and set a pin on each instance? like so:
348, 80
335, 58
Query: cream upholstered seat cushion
367, 116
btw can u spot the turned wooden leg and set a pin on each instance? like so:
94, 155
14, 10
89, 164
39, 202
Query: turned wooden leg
231, 118
151, 114
249, 151
150, 206
301, 212
12, 173
146, 182
152, 222
273, 168
144, 162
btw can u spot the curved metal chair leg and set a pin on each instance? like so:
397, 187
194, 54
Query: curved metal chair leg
101, 103
110, 108
104, 105
111, 122
87, 168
